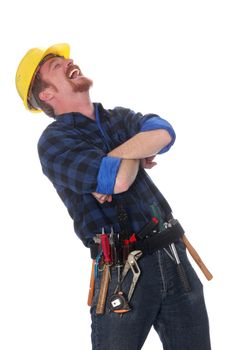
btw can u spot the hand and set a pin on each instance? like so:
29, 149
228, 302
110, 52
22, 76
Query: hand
102, 198
147, 163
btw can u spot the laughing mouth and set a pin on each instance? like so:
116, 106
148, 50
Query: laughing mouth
73, 72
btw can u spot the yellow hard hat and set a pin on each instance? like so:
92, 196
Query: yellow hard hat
28, 67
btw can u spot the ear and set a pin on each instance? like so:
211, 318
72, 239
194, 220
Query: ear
46, 95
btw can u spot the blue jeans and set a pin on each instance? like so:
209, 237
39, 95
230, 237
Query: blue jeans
159, 300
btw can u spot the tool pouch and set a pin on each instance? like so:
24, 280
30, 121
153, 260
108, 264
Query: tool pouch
159, 240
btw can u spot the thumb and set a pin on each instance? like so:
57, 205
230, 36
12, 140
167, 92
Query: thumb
109, 198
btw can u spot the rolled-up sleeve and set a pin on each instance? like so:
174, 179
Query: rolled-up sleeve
155, 123
134, 123
107, 174
70, 162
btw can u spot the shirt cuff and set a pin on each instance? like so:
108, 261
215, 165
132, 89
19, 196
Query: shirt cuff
107, 175
156, 123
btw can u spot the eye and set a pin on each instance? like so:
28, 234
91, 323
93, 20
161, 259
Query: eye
57, 65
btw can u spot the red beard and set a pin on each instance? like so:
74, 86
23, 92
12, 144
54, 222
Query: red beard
84, 84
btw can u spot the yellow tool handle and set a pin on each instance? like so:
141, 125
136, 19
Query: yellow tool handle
103, 291
92, 284
197, 258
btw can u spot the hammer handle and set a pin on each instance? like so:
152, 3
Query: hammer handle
103, 291
197, 258
92, 284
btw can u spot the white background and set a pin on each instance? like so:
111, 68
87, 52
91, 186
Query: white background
173, 58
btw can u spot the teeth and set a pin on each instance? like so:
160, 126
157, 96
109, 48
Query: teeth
73, 71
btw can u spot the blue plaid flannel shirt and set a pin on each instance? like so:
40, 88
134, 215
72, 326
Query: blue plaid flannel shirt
73, 154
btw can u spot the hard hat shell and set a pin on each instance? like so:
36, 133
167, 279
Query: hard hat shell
28, 67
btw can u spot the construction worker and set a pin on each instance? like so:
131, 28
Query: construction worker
95, 158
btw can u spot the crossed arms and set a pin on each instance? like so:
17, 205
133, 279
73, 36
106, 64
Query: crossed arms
74, 163
140, 148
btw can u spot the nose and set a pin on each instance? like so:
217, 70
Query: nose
69, 61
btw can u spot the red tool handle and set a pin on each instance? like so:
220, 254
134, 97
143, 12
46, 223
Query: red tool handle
106, 248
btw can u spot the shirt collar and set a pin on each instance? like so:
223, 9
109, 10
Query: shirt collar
74, 117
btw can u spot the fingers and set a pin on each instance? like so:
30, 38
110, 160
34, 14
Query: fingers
149, 159
102, 198
147, 163
109, 198
150, 165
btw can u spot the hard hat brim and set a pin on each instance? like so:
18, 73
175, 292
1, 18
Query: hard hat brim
58, 49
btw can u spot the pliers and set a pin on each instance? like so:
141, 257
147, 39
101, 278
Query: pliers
118, 302
131, 263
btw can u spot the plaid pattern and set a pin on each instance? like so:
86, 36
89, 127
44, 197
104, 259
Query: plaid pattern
71, 150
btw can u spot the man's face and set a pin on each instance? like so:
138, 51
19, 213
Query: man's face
64, 76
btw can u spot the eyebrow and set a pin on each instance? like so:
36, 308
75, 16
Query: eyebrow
51, 62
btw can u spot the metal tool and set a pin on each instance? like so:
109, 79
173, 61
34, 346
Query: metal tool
118, 301
180, 269
131, 263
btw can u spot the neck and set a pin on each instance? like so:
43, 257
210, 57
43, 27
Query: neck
80, 104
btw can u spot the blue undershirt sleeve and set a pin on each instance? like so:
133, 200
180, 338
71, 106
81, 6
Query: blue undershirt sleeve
156, 123
107, 174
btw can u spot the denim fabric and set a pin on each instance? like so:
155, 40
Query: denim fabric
159, 301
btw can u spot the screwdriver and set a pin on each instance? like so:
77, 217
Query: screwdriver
119, 259
105, 247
